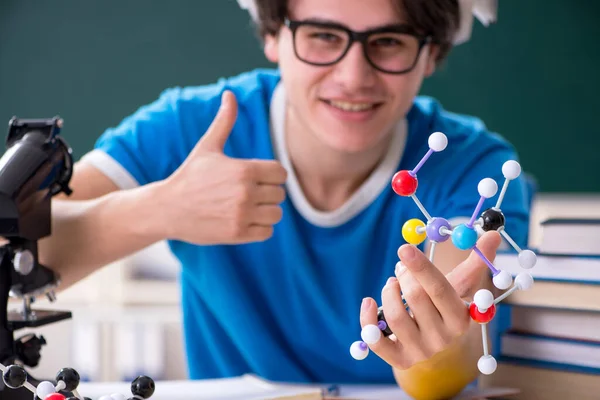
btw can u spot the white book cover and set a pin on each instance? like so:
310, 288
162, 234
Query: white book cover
546, 321
571, 236
552, 350
551, 267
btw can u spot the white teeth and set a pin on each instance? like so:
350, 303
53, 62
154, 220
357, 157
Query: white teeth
351, 106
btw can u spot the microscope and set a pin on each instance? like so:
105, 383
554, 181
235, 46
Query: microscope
36, 166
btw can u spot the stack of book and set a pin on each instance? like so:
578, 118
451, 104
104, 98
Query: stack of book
547, 338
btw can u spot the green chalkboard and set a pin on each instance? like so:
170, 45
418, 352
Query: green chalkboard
532, 77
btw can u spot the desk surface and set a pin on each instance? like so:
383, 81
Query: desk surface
249, 388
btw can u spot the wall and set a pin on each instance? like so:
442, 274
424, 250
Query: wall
533, 78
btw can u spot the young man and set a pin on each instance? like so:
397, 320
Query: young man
273, 189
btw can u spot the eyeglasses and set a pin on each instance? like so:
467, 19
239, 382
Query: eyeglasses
392, 49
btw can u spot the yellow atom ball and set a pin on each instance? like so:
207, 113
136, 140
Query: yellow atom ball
410, 233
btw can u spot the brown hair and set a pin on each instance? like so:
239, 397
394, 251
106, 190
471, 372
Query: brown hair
438, 18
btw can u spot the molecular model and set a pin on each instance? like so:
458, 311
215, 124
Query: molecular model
67, 379
464, 236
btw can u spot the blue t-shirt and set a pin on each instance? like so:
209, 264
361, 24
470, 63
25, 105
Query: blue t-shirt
288, 308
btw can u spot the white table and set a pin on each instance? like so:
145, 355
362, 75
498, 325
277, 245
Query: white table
251, 388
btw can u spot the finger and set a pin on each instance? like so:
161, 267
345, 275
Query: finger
469, 275
215, 137
385, 347
435, 334
433, 281
256, 233
424, 312
266, 215
269, 194
268, 172
397, 317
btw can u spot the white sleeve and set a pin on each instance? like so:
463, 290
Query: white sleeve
111, 168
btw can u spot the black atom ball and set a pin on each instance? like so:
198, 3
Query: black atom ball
492, 220
70, 377
14, 376
381, 317
142, 386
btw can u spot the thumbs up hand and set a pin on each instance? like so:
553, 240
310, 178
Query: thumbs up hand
216, 199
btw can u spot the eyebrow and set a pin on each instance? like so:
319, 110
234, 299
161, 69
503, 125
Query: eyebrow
319, 20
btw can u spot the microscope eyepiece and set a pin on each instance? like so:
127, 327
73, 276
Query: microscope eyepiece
36, 166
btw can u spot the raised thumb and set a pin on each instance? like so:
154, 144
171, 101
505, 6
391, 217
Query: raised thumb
215, 137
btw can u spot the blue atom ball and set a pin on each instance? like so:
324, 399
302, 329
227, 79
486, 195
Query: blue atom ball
464, 237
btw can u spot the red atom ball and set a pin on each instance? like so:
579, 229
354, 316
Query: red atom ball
482, 318
404, 184
55, 396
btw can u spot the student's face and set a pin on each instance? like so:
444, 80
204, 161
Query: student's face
349, 106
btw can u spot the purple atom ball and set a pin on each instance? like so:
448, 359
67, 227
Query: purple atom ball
433, 230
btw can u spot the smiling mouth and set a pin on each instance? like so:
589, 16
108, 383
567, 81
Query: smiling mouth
351, 106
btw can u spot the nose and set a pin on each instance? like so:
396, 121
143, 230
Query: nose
354, 71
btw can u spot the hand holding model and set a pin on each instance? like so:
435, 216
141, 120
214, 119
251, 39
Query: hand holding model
436, 314
212, 198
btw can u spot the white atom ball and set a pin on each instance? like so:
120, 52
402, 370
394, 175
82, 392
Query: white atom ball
44, 389
502, 280
511, 169
105, 398
437, 141
370, 334
487, 365
117, 396
359, 350
524, 281
527, 259
487, 188
483, 299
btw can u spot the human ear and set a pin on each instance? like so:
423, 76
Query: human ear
431, 60
271, 49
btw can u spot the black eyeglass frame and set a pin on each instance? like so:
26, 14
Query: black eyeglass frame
360, 37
